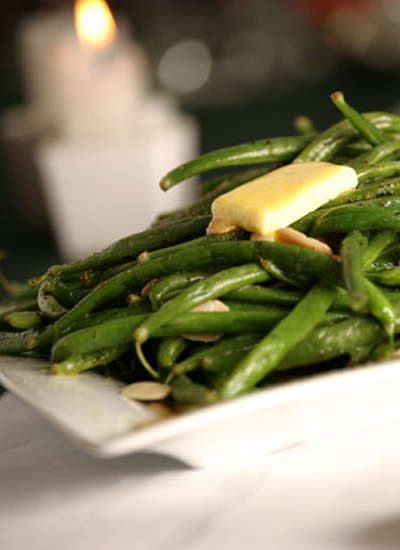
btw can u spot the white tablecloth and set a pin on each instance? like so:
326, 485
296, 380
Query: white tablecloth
339, 493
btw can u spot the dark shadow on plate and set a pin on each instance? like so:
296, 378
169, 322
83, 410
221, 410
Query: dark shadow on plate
382, 534
57, 466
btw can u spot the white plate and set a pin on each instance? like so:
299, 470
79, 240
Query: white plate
92, 412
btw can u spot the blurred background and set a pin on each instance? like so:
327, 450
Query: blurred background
238, 70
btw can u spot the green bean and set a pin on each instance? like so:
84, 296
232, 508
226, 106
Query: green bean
329, 142
129, 247
17, 291
222, 351
187, 393
352, 250
356, 148
333, 341
198, 293
232, 322
379, 153
169, 286
305, 224
266, 356
381, 308
28, 304
377, 244
366, 129
304, 125
203, 204
66, 294
385, 188
47, 301
362, 216
390, 277
99, 317
23, 319
91, 278
301, 261
205, 239
120, 331
80, 363
265, 295
169, 350
364, 295
281, 274
388, 169
109, 334
258, 152
12, 343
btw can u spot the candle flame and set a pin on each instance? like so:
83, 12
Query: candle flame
95, 24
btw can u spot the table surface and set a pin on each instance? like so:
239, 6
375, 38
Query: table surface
339, 492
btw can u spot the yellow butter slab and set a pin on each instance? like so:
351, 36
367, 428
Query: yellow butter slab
283, 196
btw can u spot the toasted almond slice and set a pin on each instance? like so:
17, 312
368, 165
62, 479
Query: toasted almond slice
209, 306
146, 391
146, 289
291, 236
220, 227
258, 237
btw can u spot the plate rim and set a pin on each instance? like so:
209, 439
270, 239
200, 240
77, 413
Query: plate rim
159, 433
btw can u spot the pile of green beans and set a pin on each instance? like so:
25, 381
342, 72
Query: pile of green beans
132, 310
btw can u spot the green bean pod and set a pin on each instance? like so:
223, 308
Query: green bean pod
47, 301
365, 128
129, 247
169, 350
268, 353
169, 286
329, 142
79, 363
23, 320
361, 216
213, 287
258, 152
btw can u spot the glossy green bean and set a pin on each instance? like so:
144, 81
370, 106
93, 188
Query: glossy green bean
362, 216
366, 172
352, 251
12, 343
23, 320
376, 245
80, 363
198, 293
301, 261
169, 286
129, 247
47, 301
258, 152
169, 350
366, 129
326, 343
329, 142
120, 331
268, 353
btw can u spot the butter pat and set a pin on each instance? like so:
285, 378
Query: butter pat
281, 197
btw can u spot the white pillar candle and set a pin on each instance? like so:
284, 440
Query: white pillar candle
80, 89
114, 139
98, 192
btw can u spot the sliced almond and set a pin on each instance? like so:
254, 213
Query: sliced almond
209, 306
291, 236
146, 391
146, 289
220, 227
258, 237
